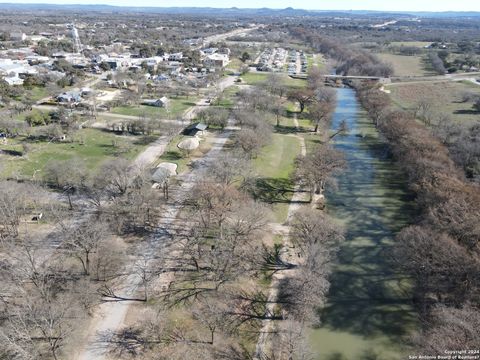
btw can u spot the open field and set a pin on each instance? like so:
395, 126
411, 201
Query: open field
419, 44
275, 165
37, 93
256, 78
445, 97
91, 146
235, 63
405, 65
176, 107
178, 156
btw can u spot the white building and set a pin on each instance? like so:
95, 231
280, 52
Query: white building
175, 57
11, 70
216, 60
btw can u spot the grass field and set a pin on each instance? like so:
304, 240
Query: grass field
445, 97
37, 93
419, 44
256, 78
274, 165
91, 146
176, 108
235, 63
405, 65
175, 155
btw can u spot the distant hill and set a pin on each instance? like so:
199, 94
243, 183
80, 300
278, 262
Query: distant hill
234, 11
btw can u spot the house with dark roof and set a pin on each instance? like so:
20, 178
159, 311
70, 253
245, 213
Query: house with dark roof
195, 128
162, 102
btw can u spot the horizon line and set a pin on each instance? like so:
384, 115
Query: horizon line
237, 7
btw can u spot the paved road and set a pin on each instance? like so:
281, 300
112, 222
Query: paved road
111, 315
156, 149
220, 37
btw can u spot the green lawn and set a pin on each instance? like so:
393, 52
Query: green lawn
310, 61
295, 83
254, 78
176, 108
274, 166
92, 146
37, 93
173, 154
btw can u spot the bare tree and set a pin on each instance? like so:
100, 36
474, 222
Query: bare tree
450, 328
290, 343
442, 269
67, 175
311, 228
83, 241
318, 168
229, 168
322, 108
302, 96
275, 84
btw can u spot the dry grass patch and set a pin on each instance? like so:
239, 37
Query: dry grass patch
405, 65
444, 96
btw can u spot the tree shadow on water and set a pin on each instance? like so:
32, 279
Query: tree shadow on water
368, 354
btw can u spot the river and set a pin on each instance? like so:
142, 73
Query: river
369, 308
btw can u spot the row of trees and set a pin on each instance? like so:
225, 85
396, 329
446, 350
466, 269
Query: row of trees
461, 138
351, 61
441, 251
437, 63
212, 278
314, 236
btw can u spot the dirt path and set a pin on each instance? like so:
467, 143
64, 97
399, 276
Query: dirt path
111, 315
156, 149
285, 255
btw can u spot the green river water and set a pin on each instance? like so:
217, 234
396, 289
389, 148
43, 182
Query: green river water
369, 308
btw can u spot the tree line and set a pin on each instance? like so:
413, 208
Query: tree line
441, 251
351, 60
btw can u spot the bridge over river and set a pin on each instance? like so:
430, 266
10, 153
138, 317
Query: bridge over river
383, 80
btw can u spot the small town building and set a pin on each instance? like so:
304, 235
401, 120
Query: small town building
162, 102
216, 60
175, 57
194, 129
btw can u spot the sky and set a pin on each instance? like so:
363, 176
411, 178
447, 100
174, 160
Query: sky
390, 5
